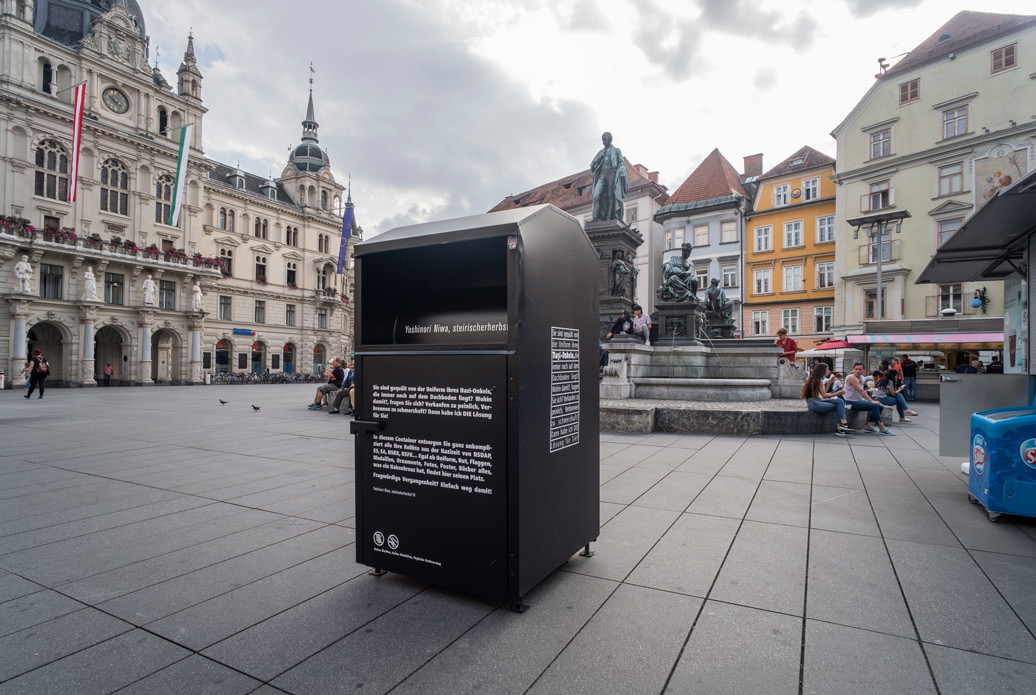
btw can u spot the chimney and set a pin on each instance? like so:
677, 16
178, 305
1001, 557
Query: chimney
753, 165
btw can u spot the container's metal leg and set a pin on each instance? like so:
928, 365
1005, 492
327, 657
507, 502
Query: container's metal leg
586, 551
377, 572
519, 607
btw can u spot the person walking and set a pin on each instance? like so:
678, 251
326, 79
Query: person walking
820, 400
40, 370
108, 374
857, 398
909, 368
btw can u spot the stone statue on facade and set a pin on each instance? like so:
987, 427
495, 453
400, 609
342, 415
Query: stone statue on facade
196, 298
149, 291
23, 271
610, 182
90, 285
679, 283
716, 301
620, 271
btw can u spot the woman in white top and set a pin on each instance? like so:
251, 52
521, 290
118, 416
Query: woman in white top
857, 398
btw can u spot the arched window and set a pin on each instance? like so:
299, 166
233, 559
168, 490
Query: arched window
51, 171
230, 220
322, 277
222, 218
291, 274
258, 228
114, 187
266, 229
260, 269
323, 200
292, 236
46, 77
228, 261
163, 120
164, 196
262, 228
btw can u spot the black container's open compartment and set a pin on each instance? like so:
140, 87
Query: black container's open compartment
477, 425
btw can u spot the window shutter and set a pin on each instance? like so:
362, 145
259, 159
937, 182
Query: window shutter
865, 203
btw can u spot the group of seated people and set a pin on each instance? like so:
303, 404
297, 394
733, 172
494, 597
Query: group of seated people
338, 388
826, 392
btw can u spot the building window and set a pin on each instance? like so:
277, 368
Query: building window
114, 187
886, 249
166, 294
230, 220
825, 229
674, 238
289, 314
322, 276
947, 228
881, 143
701, 235
323, 200
1003, 58
951, 179
46, 77
869, 301
822, 316
790, 320
950, 297
703, 276
224, 308
910, 91
321, 318
260, 311
322, 243
291, 237
728, 232
811, 189
955, 122
228, 261
291, 273
729, 273
222, 220
260, 269
792, 234
262, 228
781, 195
631, 215
764, 238
761, 323
50, 281
164, 198
51, 171
825, 275
113, 284
793, 278
763, 280
879, 197
163, 120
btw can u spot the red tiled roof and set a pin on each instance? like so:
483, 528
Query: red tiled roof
964, 29
564, 193
810, 159
715, 177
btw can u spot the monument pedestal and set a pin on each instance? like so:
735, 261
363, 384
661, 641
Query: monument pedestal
677, 322
613, 239
717, 327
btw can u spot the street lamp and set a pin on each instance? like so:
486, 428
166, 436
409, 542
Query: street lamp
877, 226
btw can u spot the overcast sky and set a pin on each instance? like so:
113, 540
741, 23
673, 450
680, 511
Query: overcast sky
441, 108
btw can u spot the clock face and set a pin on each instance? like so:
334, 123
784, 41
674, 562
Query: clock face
115, 100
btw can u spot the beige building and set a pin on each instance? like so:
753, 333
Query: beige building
112, 281
934, 137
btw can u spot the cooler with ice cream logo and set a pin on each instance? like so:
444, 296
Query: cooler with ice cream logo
1002, 471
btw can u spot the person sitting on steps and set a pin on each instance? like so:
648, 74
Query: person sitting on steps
820, 400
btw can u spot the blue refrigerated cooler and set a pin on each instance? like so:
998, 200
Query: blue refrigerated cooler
1002, 471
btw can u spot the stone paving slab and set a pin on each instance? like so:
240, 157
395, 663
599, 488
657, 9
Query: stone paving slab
210, 549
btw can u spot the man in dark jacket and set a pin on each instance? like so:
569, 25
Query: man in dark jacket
335, 377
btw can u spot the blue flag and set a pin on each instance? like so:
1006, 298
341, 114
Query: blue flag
347, 230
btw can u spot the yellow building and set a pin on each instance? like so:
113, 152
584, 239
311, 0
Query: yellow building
790, 250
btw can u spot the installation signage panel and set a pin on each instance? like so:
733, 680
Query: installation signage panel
433, 483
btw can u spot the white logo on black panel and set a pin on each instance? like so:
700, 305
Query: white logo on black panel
379, 538
393, 541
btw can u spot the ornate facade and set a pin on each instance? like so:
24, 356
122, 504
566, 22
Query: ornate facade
263, 251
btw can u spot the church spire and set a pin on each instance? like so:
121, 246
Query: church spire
309, 126
188, 76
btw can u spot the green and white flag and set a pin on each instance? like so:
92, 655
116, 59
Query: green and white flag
181, 174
